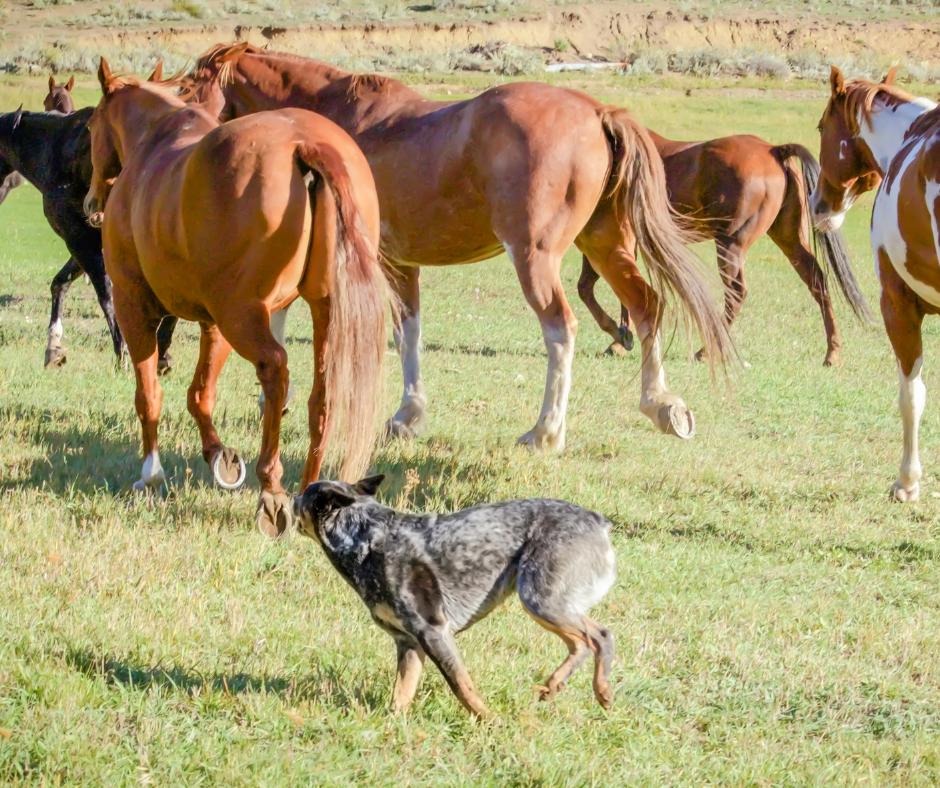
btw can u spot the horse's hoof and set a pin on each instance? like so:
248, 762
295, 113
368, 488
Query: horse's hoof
400, 430
535, 441
164, 364
833, 359
902, 495
615, 349
228, 469
275, 514
701, 355
55, 357
626, 338
676, 420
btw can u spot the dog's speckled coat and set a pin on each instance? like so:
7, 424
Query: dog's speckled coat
425, 577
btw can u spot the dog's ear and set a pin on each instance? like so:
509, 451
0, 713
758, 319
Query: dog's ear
369, 485
421, 583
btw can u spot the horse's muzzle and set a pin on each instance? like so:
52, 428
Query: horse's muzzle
92, 210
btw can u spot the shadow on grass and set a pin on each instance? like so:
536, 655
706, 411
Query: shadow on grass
327, 684
83, 459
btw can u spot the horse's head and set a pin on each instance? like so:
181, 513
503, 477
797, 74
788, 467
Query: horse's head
107, 154
848, 168
213, 70
59, 97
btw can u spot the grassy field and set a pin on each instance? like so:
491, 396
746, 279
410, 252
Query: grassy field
776, 618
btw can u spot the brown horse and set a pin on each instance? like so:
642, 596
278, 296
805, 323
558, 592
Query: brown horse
526, 168
868, 132
59, 98
732, 191
224, 225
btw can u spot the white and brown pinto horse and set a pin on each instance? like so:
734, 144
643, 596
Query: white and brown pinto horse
224, 225
868, 132
527, 168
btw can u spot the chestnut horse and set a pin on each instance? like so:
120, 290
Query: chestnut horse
871, 131
525, 167
224, 225
732, 191
59, 97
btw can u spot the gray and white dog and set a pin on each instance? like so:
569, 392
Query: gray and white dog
425, 577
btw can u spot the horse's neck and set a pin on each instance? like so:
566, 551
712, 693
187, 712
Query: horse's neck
30, 151
889, 124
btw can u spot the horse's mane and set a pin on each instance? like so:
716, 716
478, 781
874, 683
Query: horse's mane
220, 58
859, 98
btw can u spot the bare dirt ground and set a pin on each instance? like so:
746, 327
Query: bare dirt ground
869, 33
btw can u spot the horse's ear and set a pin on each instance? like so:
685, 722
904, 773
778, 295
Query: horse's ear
157, 74
891, 76
836, 81
106, 78
51, 83
70, 84
234, 52
17, 116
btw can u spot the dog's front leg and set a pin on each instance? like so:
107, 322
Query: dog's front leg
410, 663
441, 648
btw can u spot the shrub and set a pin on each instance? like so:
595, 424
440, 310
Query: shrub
561, 45
192, 8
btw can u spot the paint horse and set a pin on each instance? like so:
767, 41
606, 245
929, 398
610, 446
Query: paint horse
868, 132
732, 191
224, 225
524, 167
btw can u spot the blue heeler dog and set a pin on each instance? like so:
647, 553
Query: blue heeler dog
425, 577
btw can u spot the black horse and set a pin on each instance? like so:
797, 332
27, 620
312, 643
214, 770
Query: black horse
53, 152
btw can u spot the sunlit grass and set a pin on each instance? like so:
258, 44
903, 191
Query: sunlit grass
776, 619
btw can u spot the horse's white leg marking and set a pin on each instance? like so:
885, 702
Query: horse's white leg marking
912, 398
279, 329
666, 410
55, 334
152, 474
414, 402
549, 430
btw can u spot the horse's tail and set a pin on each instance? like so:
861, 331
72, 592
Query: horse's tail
829, 246
353, 368
638, 188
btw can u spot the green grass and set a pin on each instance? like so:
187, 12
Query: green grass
776, 619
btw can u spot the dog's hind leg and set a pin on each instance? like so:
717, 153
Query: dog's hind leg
557, 589
410, 664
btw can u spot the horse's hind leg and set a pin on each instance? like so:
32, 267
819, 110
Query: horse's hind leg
55, 350
227, 467
93, 264
623, 339
248, 329
538, 273
164, 340
279, 329
731, 251
407, 422
609, 245
789, 234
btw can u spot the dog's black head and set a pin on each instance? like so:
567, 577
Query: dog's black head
316, 507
